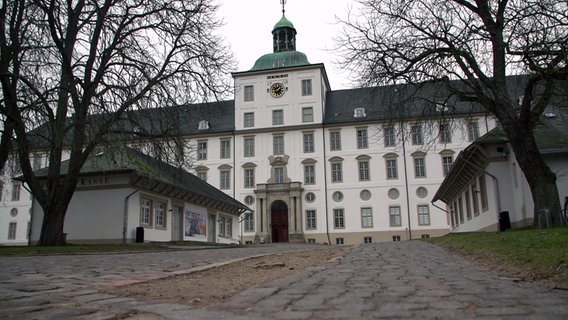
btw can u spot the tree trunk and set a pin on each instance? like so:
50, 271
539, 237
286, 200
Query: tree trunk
52, 227
541, 180
546, 200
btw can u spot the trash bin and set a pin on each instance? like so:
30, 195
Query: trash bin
504, 221
139, 235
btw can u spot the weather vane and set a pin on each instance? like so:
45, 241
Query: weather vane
283, 2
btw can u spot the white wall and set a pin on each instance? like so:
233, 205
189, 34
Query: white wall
514, 194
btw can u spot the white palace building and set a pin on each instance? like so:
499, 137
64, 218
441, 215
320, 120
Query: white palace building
313, 164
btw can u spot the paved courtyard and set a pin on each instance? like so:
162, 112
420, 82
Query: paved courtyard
399, 280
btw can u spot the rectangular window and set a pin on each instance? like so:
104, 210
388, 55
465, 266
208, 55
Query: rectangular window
467, 205
472, 131
419, 168
392, 171
311, 219
338, 218
249, 93
395, 238
423, 216
308, 142
309, 174
389, 137
483, 193
335, 140
157, 151
515, 178
445, 133
454, 213
249, 147
225, 149
221, 226
308, 114
278, 175
249, 178
248, 120
395, 220
249, 222
416, 132
364, 171
339, 241
460, 209
229, 223
16, 188
307, 87
225, 180
160, 214
475, 200
366, 218
202, 150
146, 212
278, 145
12, 230
36, 161
362, 141
277, 117
336, 172
179, 153
367, 239
447, 164
202, 175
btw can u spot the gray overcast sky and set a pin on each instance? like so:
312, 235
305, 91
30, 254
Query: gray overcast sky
248, 26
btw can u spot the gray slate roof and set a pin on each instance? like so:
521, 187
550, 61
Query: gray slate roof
157, 177
384, 103
551, 134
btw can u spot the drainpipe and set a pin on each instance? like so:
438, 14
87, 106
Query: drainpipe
406, 182
325, 186
234, 166
125, 215
446, 211
29, 231
242, 227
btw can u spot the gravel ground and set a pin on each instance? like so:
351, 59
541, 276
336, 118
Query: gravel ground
225, 281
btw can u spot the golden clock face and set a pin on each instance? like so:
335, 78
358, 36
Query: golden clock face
277, 90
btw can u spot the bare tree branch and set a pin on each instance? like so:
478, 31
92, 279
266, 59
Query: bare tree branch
481, 43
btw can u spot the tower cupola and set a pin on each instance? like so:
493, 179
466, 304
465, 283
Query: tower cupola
284, 35
284, 47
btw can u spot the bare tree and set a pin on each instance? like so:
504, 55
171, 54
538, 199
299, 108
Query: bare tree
481, 43
77, 68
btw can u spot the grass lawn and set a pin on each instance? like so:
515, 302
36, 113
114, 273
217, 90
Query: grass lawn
99, 248
78, 249
529, 254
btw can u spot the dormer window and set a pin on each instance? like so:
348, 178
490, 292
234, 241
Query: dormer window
203, 125
359, 113
442, 107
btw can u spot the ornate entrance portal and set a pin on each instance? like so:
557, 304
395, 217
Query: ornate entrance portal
279, 221
278, 206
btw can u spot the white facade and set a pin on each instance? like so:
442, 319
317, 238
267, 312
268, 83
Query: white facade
278, 139
496, 195
108, 209
15, 207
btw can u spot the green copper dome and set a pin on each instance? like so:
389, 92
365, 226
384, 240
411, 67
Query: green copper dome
284, 45
283, 23
280, 60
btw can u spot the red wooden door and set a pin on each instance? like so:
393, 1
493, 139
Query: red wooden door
279, 219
